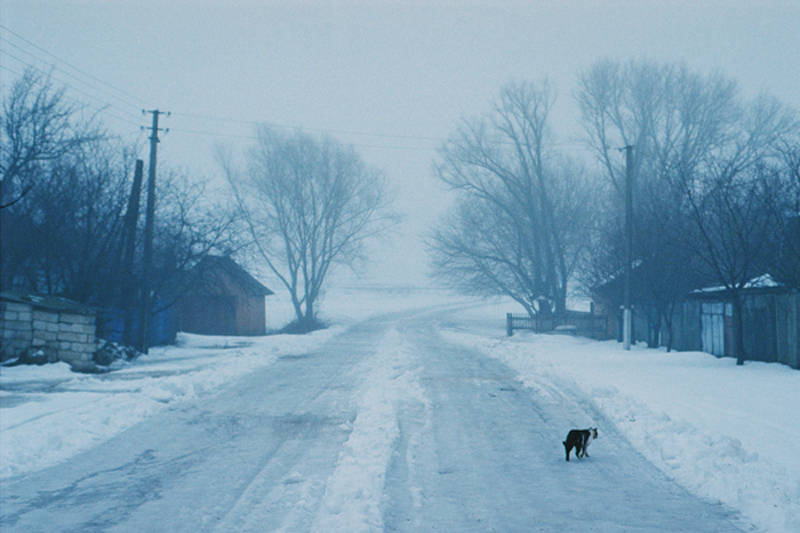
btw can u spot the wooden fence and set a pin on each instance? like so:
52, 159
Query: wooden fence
574, 322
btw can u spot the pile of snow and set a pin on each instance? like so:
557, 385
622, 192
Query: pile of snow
724, 432
354, 493
50, 413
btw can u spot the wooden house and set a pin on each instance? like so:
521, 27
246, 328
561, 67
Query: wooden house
703, 320
221, 298
770, 316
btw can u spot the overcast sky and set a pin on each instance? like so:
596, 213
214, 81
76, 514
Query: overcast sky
391, 78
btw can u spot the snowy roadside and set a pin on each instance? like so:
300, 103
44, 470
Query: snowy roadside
723, 432
50, 413
354, 493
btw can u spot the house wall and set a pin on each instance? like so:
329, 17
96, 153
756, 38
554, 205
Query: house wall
614, 322
208, 314
787, 315
228, 311
771, 328
251, 316
686, 328
760, 328
64, 336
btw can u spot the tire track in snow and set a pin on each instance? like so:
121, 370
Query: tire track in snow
354, 494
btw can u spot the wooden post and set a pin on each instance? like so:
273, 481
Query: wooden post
131, 219
509, 325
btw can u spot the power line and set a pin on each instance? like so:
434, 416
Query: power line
20, 37
12, 71
576, 145
212, 118
71, 85
104, 103
255, 138
56, 67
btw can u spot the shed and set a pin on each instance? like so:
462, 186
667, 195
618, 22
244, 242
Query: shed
770, 315
221, 298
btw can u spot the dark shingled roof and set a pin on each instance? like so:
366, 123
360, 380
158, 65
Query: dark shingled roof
236, 272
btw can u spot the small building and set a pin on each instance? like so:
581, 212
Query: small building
221, 298
61, 329
703, 320
770, 317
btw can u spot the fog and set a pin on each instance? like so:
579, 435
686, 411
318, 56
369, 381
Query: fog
391, 78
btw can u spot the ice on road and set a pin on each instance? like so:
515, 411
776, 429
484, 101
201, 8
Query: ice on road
386, 427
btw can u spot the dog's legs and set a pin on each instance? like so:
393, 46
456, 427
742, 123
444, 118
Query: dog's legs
567, 448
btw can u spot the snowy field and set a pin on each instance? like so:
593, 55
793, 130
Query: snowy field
725, 433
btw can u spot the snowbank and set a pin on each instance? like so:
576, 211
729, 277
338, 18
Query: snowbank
725, 433
50, 413
354, 493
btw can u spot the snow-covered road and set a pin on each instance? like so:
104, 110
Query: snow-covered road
388, 426
485, 454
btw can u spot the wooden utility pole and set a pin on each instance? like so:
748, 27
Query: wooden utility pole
627, 318
131, 220
146, 310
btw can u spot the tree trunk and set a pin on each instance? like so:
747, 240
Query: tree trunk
738, 328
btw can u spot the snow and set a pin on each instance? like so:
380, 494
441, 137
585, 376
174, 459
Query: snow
765, 281
50, 414
354, 492
724, 432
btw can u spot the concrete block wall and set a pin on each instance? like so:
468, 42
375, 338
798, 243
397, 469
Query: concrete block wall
62, 335
16, 324
75, 337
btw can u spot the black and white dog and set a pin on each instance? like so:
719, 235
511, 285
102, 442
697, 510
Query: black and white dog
580, 440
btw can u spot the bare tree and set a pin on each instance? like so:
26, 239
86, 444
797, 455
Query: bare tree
61, 236
479, 249
731, 201
784, 260
68, 186
190, 225
517, 229
702, 154
38, 125
674, 118
310, 204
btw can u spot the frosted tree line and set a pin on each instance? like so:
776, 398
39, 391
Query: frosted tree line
716, 188
299, 204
